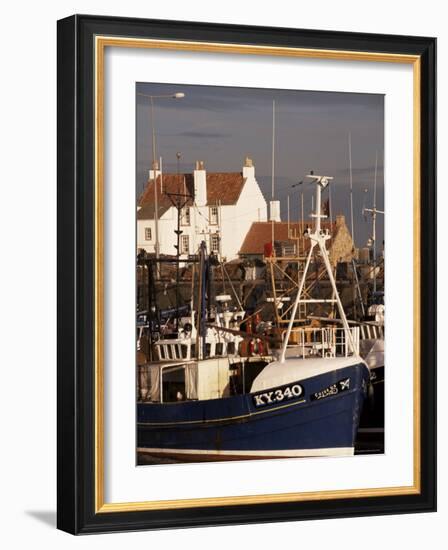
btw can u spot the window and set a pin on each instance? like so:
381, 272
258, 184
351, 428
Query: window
185, 216
173, 384
184, 244
148, 234
213, 214
214, 243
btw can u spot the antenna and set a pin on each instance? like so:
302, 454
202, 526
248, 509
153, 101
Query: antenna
364, 205
330, 205
351, 183
318, 237
161, 175
273, 172
374, 211
273, 148
302, 228
374, 222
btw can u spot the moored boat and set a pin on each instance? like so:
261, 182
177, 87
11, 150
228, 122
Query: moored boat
286, 413
212, 402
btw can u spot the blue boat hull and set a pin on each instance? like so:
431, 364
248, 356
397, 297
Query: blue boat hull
314, 417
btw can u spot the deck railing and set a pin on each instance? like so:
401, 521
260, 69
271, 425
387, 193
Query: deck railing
371, 331
323, 342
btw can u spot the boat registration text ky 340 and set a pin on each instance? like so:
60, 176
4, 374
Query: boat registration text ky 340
276, 395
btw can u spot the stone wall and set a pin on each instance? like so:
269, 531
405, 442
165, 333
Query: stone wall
341, 249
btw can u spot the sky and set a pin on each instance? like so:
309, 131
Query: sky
223, 125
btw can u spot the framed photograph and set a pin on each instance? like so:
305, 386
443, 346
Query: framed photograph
246, 274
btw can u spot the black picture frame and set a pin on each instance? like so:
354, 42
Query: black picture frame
76, 475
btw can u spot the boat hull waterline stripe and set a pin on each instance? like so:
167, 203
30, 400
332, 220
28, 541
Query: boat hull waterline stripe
289, 453
224, 419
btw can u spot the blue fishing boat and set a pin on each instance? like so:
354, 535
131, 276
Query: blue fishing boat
313, 416
203, 399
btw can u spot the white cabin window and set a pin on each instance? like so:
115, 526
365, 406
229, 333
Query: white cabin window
173, 384
148, 234
213, 215
185, 216
177, 382
214, 243
184, 244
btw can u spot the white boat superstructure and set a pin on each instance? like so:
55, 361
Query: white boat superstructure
318, 238
307, 351
185, 343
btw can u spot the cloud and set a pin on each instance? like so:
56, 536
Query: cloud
203, 134
221, 125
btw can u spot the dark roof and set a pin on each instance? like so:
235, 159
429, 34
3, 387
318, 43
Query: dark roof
222, 188
260, 233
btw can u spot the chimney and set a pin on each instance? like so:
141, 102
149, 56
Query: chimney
274, 210
248, 168
200, 184
154, 170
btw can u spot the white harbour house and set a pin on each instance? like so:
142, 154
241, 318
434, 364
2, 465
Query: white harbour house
215, 207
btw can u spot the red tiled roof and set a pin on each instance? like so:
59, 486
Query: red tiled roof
222, 187
260, 233
181, 184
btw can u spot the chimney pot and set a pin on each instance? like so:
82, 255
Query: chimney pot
200, 184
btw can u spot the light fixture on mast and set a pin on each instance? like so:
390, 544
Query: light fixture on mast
176, 95
321, 183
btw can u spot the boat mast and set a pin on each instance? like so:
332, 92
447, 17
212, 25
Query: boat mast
374, 211
273, 172
318, 238
374, 223
179, 201
302, 227
351, 185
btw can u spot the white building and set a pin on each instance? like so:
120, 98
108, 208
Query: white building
219, 208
